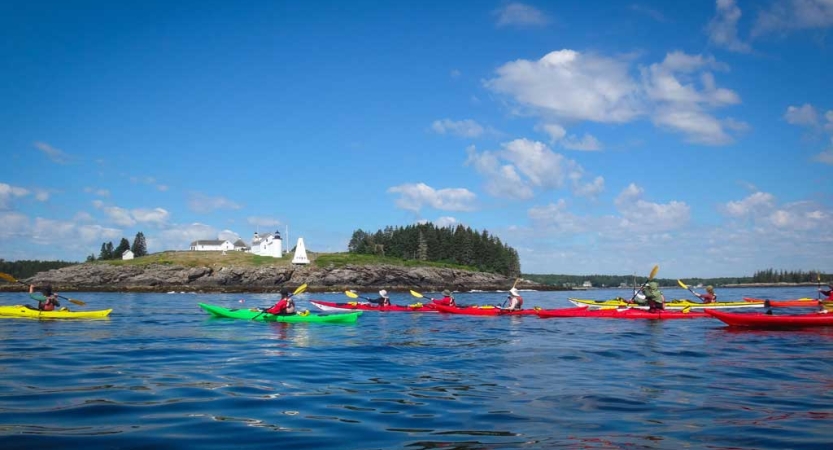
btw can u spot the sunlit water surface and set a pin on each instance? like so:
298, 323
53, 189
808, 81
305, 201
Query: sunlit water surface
159, 373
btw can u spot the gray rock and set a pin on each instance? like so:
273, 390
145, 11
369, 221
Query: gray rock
162, 278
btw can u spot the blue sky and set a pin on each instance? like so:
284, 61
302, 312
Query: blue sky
591, 136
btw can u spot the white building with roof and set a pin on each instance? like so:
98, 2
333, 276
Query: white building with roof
270, 245
211, 245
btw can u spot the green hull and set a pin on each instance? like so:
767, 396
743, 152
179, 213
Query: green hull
246, 314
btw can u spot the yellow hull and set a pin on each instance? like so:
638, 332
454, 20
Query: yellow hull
23, 311
670, 304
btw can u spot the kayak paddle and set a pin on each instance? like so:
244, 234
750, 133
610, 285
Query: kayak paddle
12, 279
352, 294
683, 285
417, 294
650, 277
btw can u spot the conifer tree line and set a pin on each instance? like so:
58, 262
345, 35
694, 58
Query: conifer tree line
139, 248
427, 242
28, 268
786, 276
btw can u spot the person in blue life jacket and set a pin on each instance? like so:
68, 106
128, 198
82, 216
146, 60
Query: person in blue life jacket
47, 300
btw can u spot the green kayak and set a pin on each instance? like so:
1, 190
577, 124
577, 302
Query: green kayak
247, 314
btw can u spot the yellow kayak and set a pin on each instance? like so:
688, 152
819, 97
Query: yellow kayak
24, 311
670, 304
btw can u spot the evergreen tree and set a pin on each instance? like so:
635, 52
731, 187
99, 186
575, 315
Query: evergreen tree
139, 247
124, 245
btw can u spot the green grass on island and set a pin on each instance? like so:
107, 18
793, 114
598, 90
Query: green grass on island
243, 259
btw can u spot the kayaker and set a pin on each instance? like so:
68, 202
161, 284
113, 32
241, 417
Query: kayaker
285, 306
447, 299
708, 297
827, 293
47, 300
383, 300
654, 296
516, 302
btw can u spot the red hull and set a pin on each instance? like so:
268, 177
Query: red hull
480, 311
759, 320
794, 303
366, 307
626, 313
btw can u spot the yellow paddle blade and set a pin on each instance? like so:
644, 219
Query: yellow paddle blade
682, 285
300, 289
654, 272
415, 305
8, 278
416, 294
351, 294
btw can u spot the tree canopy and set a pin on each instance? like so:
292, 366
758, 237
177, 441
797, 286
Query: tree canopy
427, 242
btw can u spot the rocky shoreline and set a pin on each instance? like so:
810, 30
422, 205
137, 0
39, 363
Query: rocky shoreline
231, 279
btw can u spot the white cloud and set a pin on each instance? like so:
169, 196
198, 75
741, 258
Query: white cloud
8, 193
571, 85
54, 154
179, 237
228, 235
568, 86
827, 155
531, 165
643, 216
520, 15
554, 217
464, 128
723, 28
445, 221
755, 204
201, 203
119, 216
591, 189
586, 143
13, 224
414, 197
98, 192
157, 216
804, 115
784, 16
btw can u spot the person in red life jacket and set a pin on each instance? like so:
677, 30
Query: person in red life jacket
709, 296
383, 300
516, 302
447, 299
827, 293
46, 302
285, 306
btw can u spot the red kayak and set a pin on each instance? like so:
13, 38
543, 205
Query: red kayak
797, 302
622, 313
487, 310
761, 320
356, 306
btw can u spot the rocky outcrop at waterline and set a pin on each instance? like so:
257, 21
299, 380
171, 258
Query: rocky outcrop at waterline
164, 278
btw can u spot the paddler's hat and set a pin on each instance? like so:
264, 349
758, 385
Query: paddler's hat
652, 286
710, 289
383, 293
447, 293
514, 292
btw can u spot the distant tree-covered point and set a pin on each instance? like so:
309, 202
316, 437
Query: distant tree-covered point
427, 242
768, 276
28, 268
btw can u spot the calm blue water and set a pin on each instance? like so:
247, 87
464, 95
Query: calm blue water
160, 374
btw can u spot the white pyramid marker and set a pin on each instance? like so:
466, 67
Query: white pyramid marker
300, 253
